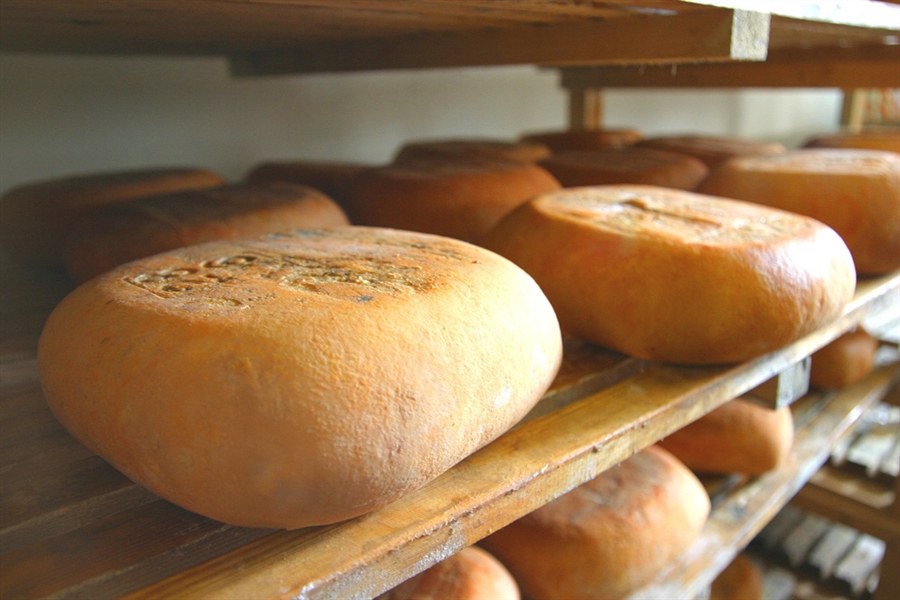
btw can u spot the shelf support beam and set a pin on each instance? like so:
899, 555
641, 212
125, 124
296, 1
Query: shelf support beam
715, 34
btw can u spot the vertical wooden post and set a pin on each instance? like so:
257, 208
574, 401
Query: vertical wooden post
853, 109
585, 108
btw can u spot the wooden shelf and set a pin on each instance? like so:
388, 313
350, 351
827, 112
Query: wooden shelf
105, 536
302, 36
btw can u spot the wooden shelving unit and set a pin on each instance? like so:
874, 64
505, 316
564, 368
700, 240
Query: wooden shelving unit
71, 526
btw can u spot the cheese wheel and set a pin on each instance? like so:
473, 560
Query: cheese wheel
123, 232
330, 178
879, 138
300, 379
712, 150
470, 574
848, 359
584, 139
626, 165
675, 276
856, 192
35, 218
741, 580
608, 537
476, 148
737, 437
458, 198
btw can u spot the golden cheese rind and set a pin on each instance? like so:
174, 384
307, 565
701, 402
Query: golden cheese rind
855, 192
460, 198
737, 437
35, 218
301, 379
117, 234
676, 276
470, 574
609, 536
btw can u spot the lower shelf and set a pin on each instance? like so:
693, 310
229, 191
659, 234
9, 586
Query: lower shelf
741, 513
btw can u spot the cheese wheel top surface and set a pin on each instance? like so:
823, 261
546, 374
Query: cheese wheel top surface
36, 217
528, 151
626, 165
887, 139
585, 139
712, 150
331, 178
301, 379
457, 198
675, 276
123, 232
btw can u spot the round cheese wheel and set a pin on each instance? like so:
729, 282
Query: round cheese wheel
584, 139
461, 199
741, 580
35, 218
737, 437
712, 150
330, 178
479, 149
626, 165
675, 276
856, 192
470, 574
846, 360
299, 379
881, 138
608, 537
116, 234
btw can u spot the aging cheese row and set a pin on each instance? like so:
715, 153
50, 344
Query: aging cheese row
261, 361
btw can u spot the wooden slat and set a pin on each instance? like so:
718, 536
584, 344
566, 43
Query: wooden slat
870, 66
709, 35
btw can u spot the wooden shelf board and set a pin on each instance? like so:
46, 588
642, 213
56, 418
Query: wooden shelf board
603, 407
845, 68
737, 519
289, 36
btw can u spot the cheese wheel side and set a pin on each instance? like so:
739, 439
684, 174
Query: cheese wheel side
298, 380
608, 537
470, 574
846, 360
737, 437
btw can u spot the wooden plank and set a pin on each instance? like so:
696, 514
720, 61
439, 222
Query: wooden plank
736, 522
845, 509
859, 564
111, 556
800, 542
832, 548
854, 67
861, 14
695, 36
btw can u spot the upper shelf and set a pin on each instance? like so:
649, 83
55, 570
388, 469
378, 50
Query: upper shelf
283, 36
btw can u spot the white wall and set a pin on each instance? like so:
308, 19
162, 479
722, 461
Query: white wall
64, 115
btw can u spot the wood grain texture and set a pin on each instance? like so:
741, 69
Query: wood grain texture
851, 67
276, 36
